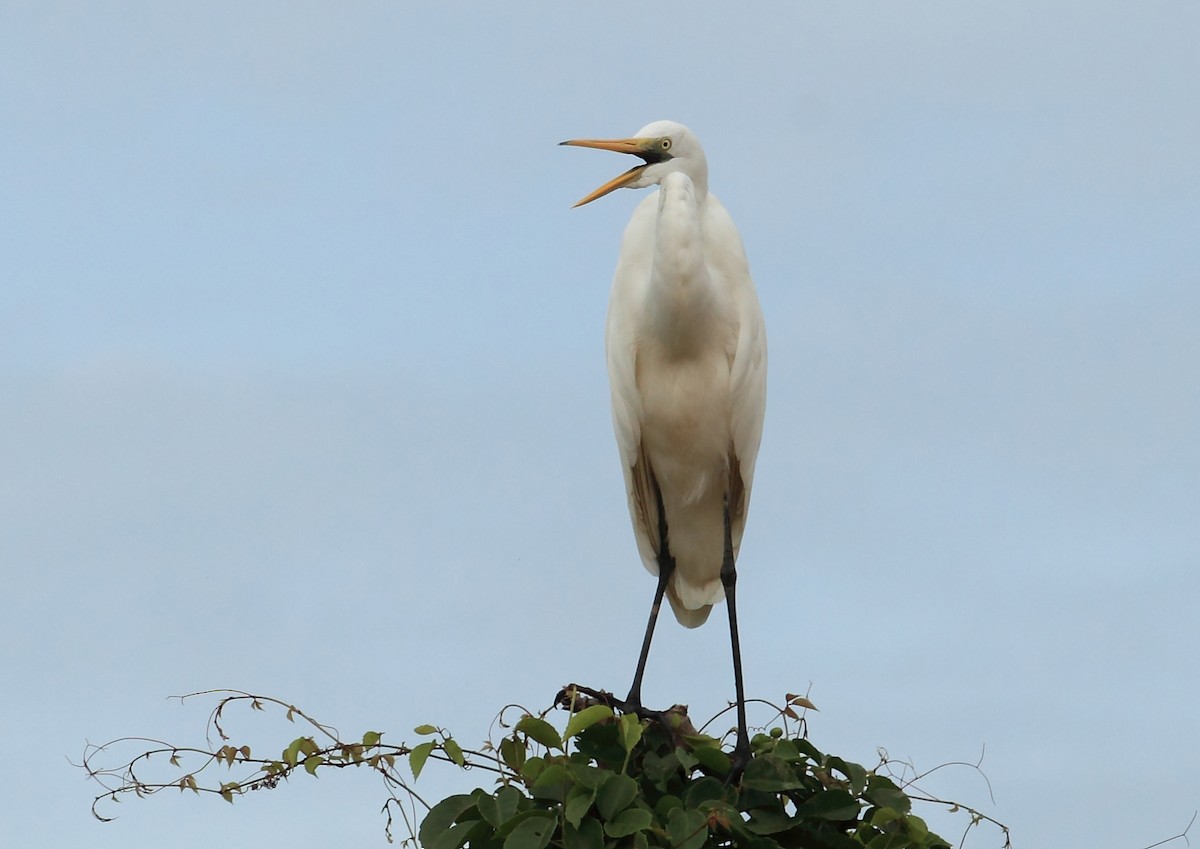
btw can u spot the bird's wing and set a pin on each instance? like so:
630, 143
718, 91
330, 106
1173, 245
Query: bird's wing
628, 291
748, 367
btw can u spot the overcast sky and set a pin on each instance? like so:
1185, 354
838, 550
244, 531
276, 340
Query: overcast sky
302, 388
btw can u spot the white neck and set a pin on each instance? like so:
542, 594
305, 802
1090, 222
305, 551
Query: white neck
681, 296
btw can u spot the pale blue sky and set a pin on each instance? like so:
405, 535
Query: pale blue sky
303, 386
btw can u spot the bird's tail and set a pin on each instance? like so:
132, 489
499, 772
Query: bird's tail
688, 617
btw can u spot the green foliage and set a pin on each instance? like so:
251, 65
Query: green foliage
611, 782
607, 780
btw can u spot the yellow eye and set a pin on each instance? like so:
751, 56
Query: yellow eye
665, 144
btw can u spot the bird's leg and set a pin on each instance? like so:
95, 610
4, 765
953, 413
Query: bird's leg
666, 566
741, 751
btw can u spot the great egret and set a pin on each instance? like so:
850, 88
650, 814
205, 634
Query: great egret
687, 364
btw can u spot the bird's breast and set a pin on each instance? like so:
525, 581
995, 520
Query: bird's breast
685, 425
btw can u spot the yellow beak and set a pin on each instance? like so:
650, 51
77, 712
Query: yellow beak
635, 146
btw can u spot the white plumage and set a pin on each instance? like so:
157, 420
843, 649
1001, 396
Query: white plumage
687, 364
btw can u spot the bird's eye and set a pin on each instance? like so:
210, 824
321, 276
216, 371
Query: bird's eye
665, 144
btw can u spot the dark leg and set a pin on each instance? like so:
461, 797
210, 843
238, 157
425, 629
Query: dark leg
666, 565
741, 752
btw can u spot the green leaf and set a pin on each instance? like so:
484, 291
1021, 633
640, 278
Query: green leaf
712, 759
835, 804
369, 739
883, 793
552, 783
687, 760
513, 753
531, 769
769, 773
426, 729
482, 834
628, 822
418, 756
541, 731
454, 836
589, 835
769, 821
587, 775
615, 795
486, 803
917, 828
631, 731
786, 750
498, 809
586, 718
508, 798
454, 751
657, 768
312, 762
808, 748
893, 840
601, 743
687, 829
579, 802
706, 789
666, 804
519, 818
441, 816
291, 755
855, 774
747, 839
308, 746
885, 816
533, 833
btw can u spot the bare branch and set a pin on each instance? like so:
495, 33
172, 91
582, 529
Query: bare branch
1183, 834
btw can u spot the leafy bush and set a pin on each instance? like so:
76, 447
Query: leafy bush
612, 780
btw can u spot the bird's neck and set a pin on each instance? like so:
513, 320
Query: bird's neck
680, 302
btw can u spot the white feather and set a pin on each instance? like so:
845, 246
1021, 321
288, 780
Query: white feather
687, 362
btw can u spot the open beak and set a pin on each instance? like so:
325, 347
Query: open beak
637, 147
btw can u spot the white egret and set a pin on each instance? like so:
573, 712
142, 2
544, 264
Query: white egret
687, 364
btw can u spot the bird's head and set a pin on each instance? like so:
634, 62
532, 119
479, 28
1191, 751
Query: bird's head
663, 147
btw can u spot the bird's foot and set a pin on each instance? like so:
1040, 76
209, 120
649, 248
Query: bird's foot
576, 697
